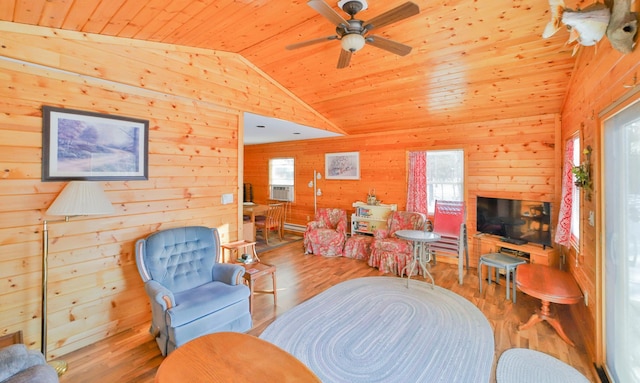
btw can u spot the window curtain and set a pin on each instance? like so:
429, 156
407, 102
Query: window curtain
563, 231
417, 188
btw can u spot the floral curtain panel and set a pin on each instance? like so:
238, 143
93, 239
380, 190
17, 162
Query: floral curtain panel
417, 188
563, 231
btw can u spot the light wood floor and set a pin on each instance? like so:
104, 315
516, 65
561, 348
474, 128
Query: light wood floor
132, 356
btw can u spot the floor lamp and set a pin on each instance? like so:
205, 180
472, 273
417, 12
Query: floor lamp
316, 190
77, 198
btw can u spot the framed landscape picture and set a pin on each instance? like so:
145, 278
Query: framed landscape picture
342, 166
79, 145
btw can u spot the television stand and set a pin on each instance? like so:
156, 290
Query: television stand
486, 244
514, 241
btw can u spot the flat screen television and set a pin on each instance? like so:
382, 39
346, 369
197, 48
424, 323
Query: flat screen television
519, 220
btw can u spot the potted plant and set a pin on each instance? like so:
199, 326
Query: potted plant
582, 173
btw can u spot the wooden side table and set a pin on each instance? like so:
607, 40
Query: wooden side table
232, 357
255, 271
550, 286
237, 246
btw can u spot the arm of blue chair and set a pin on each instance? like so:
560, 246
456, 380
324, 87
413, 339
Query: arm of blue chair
162, 299
228, 273
160, 295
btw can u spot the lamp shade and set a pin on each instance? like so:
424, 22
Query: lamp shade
81, 198
352, 42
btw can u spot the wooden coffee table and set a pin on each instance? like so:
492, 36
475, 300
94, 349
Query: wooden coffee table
232, 357
550, 285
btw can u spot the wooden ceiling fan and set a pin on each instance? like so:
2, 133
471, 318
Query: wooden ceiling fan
354, 33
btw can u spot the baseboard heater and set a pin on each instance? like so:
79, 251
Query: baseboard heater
295, 228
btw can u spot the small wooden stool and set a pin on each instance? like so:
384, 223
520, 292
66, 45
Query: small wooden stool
244, 246
500, 261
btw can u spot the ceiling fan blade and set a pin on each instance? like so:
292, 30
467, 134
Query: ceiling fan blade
310, 42
343, 60
325, 10
388, 45
396, 14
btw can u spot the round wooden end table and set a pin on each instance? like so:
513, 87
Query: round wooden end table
550, 285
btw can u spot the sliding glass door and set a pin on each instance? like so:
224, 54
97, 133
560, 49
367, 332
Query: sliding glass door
621, 186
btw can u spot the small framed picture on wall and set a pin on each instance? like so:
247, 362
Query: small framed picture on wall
342, 166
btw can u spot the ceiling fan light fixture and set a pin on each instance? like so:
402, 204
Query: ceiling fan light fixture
352, 42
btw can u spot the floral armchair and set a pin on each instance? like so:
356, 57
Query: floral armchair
388, 253
327, 234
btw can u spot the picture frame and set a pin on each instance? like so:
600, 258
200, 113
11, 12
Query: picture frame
342, 166
81, 145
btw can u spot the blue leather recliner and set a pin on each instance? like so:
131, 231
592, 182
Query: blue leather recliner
191, 293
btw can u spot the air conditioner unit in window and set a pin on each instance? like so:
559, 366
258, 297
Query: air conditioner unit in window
281, 193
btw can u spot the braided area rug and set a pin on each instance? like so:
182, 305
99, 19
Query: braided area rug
530, 366
374, 329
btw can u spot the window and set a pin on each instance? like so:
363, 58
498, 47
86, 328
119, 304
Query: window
445, 177
575, 197
281, 179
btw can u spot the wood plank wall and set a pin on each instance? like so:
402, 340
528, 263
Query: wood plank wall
601, 77
512, 158
194, 100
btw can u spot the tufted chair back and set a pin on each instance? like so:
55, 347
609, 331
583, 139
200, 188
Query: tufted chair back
181, 258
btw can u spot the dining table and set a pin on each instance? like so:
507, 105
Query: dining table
252, 209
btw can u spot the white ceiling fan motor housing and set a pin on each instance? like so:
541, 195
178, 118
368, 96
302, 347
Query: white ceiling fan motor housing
363, 5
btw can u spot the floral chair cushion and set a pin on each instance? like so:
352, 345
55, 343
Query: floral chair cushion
326, 235
388, 253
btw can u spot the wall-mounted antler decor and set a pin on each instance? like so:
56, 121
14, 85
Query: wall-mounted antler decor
589, 25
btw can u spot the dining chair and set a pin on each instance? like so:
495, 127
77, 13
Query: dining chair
286, 209
449, 223
272, 220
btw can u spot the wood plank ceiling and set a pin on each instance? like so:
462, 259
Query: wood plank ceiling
472, 60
